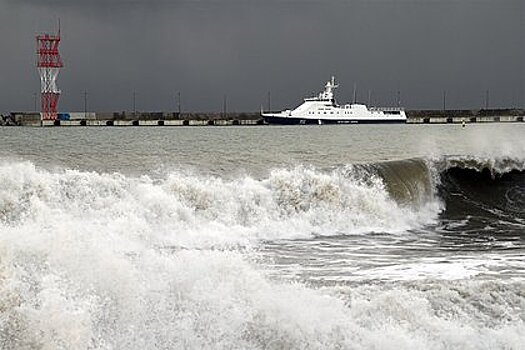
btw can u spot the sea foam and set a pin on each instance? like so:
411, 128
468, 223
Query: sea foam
91, 260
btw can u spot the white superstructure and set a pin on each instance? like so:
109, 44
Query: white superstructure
323, 109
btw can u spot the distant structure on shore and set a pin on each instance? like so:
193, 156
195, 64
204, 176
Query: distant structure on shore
48, 65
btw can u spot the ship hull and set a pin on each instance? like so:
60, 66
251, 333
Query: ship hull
307, 121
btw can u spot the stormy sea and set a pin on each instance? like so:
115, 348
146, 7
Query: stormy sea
298, 237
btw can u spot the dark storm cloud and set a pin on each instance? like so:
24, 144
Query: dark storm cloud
242, 49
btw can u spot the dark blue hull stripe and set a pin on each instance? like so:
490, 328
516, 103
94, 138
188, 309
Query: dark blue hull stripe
300, 121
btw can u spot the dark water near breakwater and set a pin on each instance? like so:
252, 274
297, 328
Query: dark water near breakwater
263, 237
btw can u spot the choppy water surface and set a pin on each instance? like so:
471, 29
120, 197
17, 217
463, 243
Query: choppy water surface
347, 237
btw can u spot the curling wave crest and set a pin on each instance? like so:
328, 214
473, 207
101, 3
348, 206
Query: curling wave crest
189, 209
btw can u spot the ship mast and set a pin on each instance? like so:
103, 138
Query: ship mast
328, 93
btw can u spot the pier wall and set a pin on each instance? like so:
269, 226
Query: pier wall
465, 116
135, 119
248, 118
144, 122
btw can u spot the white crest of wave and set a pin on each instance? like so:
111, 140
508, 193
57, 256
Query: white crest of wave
496, 165
193, 210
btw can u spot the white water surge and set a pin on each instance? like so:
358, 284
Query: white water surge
105, 261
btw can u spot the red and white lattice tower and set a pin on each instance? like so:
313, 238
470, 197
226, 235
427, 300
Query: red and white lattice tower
48, 64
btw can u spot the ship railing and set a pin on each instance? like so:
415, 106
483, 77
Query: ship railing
384, 109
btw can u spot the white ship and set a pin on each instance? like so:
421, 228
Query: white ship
323, 109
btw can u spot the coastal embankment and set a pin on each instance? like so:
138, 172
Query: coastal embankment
240, 118
465, 116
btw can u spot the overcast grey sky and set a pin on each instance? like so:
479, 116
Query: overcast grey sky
210, 48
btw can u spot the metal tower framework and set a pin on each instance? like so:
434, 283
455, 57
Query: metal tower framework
48, 64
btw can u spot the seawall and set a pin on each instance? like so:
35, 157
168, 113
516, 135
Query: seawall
465, 116
243, 118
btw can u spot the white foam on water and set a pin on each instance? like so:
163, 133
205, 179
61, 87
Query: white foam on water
105, 261
195, 210
449, 268
219, 300
498, 165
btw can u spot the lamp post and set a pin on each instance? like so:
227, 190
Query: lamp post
85, 103
134, 105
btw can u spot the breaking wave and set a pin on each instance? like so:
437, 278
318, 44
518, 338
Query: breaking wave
485, 189
91, 260
289, 203
193, 210
495, 166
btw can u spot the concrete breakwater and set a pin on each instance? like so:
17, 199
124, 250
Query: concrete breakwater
465, 116
247, 118
135, 119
